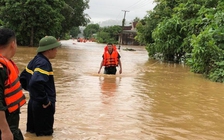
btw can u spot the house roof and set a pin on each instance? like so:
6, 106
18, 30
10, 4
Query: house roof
127, 27
131, 27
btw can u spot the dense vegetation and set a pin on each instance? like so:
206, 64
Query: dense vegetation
103, 34
190, 31
109, 34
33, 19
90, 30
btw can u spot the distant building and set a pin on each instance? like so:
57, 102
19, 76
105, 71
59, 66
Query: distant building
128, 35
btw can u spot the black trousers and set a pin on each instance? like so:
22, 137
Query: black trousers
13, 121
40, 120
110, 70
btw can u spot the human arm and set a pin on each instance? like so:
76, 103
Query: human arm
120, 65
6, 133
101, 65
23, 79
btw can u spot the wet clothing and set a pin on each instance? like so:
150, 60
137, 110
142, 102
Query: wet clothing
110, 70
38, 79
40, 120
111, 62
13, 117
13, 121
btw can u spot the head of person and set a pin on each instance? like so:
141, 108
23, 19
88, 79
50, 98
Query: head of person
110, 47
8, 43
48, 46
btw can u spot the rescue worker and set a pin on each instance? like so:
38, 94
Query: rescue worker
11, 95
38, 79
111, 59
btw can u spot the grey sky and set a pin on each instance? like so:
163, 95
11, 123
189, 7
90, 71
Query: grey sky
101, 10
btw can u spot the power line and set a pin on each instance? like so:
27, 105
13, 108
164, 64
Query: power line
141, 6
134, 4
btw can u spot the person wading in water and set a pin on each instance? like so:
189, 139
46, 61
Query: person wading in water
111, 59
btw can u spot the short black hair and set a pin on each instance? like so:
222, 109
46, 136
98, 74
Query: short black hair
6, 35
109, 44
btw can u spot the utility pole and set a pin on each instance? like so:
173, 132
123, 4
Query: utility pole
123, 22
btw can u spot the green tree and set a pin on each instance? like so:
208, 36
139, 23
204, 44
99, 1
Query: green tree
146, 26
208, 46
109, 34
103, 37
75, 31
90, 30
190, 29
1, 22
169, 27
73, 12
34, 19
137, 19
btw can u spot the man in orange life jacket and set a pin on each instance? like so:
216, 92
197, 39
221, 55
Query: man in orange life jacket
38, 79
11, 95
111, 59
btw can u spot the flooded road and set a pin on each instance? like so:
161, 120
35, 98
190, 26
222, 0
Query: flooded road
150, 100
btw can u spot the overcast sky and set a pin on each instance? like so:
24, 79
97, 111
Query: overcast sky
101, 10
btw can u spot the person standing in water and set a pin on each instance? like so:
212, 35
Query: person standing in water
38, 79
11, 95
111, 60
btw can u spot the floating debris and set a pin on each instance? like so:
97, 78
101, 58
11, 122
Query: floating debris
129, 49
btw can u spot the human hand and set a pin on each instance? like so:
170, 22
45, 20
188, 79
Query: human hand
45, 106
6, 135
99, 72
120, 71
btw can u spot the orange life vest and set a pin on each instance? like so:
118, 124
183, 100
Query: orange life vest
14, 97
110, 59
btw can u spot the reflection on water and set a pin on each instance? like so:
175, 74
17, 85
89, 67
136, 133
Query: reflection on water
150, 100
109, 85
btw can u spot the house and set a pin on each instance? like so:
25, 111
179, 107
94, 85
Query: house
128, 35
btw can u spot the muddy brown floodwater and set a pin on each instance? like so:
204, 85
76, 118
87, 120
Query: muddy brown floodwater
150, 100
